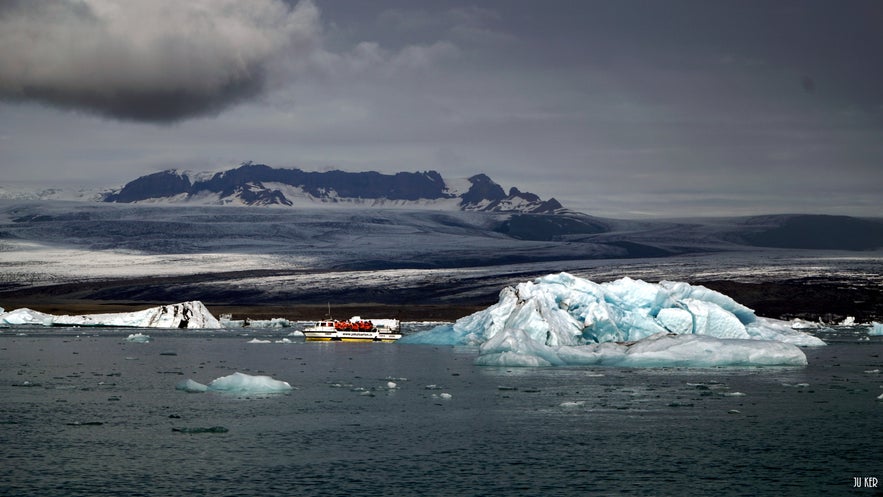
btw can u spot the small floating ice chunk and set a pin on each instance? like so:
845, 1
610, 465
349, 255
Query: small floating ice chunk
200, 429
802, 324
191, 386
876, 329
391, 385
138, 338
781, 331
240, 382
258, 340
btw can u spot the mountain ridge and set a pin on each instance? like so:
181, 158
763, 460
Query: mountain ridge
261, 185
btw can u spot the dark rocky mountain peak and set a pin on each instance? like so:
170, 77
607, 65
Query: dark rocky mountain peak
157, 185
483, 190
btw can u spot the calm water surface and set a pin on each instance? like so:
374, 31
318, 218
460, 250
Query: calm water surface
92, 414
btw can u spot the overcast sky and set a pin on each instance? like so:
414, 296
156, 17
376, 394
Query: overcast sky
616, 108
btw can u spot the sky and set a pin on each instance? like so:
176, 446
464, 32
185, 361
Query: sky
619, 108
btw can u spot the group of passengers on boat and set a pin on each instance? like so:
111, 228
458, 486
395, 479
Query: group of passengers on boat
353, 325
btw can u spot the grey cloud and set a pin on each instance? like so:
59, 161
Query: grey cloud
152, 60
611, 107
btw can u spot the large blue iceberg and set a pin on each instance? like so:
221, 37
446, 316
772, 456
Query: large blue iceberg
562, 319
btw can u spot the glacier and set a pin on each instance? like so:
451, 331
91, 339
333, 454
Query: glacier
192, 315
561, 319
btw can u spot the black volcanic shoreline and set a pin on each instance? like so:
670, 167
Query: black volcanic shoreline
811, 299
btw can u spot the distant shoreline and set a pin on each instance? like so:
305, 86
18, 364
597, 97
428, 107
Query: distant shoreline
303, 312
815, 300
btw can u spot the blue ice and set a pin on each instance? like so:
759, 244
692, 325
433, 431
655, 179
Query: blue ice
561, 319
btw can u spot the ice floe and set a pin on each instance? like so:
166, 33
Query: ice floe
561, 319
876, 329
192, 315
237, 383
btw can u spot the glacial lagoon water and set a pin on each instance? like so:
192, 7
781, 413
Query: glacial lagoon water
86, 413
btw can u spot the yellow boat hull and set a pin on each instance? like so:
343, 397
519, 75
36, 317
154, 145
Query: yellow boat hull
327, 339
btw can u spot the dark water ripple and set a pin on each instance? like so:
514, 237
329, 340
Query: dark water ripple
87, 416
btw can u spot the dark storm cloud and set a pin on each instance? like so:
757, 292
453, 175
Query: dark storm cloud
155, 60
611, 106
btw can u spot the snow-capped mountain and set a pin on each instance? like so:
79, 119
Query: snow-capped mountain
258, 184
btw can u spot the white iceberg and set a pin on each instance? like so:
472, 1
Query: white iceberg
876, 329
236, 383
561, 319
192, 315
25, 316
244, 383
138, 338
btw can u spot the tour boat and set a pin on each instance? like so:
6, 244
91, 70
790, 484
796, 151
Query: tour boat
355, 329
